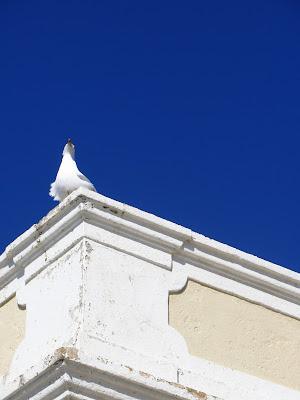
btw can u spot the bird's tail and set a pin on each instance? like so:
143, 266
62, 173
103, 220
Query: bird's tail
52, 191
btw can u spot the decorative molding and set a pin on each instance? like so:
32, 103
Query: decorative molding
72, 379
211, 262
68, 379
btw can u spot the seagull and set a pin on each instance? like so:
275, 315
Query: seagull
68, 177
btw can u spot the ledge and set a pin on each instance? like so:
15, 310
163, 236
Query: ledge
68, 379
167, 240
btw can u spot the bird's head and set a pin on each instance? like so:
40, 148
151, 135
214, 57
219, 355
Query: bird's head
69, 149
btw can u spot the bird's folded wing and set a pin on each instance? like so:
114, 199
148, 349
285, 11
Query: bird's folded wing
84, 178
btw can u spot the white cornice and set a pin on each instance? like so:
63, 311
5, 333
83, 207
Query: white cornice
72, 379
68, 379
217, 264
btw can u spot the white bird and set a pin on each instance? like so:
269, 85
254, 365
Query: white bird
68, 177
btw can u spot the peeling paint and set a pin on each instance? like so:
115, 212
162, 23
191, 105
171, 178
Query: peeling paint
195, 393
129, 368
113, 210
63, 353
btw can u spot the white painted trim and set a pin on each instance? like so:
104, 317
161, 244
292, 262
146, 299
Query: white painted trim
204, 259
74, 380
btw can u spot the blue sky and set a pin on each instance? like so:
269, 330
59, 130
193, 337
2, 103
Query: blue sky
188, 110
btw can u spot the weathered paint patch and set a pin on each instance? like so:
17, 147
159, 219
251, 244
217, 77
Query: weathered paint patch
63, 353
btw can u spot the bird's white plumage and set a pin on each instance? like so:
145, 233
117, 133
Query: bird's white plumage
68, 177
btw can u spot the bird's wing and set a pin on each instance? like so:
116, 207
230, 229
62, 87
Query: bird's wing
84, 178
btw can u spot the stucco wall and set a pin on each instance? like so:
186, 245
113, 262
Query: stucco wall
238, 334
12, 330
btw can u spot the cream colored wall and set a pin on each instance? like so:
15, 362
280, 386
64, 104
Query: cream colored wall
238, 334
12, 330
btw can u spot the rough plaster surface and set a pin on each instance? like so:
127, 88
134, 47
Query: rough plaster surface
12, 330
238, 334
